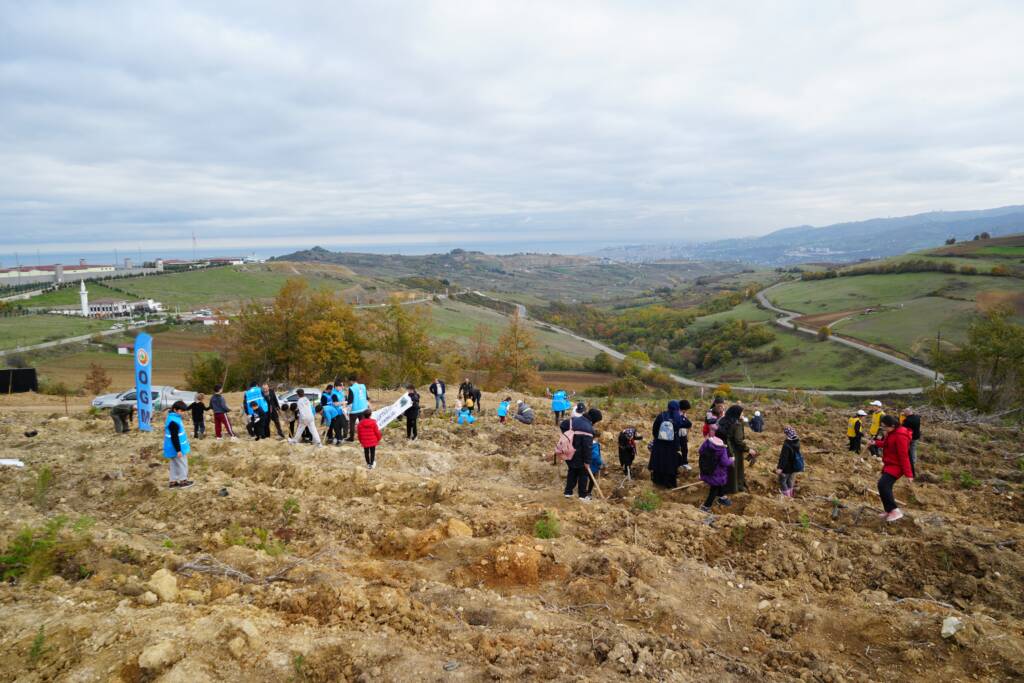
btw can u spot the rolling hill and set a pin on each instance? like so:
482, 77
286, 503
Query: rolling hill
837, 243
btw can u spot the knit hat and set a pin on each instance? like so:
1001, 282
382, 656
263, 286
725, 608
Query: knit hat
790, 433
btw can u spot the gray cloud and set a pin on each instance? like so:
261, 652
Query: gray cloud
410, 123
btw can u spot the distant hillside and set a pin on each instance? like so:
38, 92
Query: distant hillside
547, 276
838, 243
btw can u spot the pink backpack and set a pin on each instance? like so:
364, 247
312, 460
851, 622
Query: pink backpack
564, 450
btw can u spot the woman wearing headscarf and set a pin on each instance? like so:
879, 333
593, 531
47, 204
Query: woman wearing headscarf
730, 430
665, 447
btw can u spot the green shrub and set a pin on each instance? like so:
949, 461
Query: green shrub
738, 534
648, 501
35, 553
967, 480
547, 526
43, 481
38, 648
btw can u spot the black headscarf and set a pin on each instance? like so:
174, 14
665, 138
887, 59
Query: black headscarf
731, 417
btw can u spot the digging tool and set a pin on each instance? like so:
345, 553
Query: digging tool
686, 486
594, 482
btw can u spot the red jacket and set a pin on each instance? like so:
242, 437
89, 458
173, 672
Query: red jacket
896, 453
369, 432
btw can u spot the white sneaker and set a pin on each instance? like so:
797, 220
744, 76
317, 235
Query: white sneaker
373, 465
234, 438
567, 495
894, 515
586, 499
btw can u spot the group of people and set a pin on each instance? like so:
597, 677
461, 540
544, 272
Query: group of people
722, 456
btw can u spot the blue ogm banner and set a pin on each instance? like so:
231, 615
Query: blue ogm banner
143, 379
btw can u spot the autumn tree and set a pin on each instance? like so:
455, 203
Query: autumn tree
403, 344
303, 336
989, 366
97, 381
514, 364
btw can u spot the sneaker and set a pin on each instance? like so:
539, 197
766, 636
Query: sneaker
724, 501
174, 485
567, 495
883, 514
369, 466
687, 468
586, 499
373, 465
218, 438
234, 438
186, 484
894, 515
704, 508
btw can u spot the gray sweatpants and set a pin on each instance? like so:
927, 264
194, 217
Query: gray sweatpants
179, 468
787, 481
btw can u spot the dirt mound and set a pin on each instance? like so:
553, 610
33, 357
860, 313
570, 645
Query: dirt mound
289, 563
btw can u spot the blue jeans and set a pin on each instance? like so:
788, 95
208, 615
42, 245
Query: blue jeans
439, 402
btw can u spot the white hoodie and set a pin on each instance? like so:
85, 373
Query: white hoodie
305, 410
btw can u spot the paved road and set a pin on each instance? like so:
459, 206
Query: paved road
786, 319
686, 381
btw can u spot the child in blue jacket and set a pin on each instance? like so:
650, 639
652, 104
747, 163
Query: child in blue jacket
596, 463
503, 409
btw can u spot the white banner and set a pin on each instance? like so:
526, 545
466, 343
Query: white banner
384, 416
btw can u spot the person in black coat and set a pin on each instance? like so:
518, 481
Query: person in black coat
665, 446
412, 414
583, 447
273, 410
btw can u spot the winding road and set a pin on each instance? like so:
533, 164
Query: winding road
787, 319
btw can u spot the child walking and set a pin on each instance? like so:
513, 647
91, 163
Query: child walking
369, 437
790, 462
715, 462
177, 447
197, 407
220, 413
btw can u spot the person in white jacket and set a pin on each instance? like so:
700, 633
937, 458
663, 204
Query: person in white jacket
306, 420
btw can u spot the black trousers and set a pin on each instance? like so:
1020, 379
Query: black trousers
276, 419
885, 483
262, 429
714, 492
198, 427
855, 444
352, 419
411, 427
559, 416
577, 478
370, 454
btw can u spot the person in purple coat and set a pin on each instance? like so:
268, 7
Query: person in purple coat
714, 470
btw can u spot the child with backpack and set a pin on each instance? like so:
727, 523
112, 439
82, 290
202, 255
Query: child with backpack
369, 437
714, 462
503, 409
627, 449
791, 461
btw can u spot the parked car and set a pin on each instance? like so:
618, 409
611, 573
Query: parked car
289, 397
163, 397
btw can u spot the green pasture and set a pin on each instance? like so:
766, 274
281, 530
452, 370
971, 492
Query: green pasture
25, 330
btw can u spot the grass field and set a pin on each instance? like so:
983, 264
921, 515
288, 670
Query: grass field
458, 321
68, 296
172, 355
847, 293
911, 329
810, 364
574, 381
24, 330
1008, 251
747, 310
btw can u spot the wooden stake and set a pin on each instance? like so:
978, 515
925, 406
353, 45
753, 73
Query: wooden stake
594, 481
686, 486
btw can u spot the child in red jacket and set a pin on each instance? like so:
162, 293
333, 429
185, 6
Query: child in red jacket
895, 464
369, 437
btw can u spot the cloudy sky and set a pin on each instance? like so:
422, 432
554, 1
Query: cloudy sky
413, 125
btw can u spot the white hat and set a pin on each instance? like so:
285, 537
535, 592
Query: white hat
862, 413
757, 413
877, 403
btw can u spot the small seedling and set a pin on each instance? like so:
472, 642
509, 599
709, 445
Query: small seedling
83, 524
168, 543
38, 648
548, 526
299, 667
738, 534
967, 480
805, 521
648, 501
291, 509
947, 476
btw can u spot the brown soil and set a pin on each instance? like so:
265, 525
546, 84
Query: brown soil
816, 321
574, 381
994, 298
427, 568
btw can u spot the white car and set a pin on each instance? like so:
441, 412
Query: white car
163, 397
289, 398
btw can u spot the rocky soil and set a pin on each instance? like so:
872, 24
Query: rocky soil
294, 564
